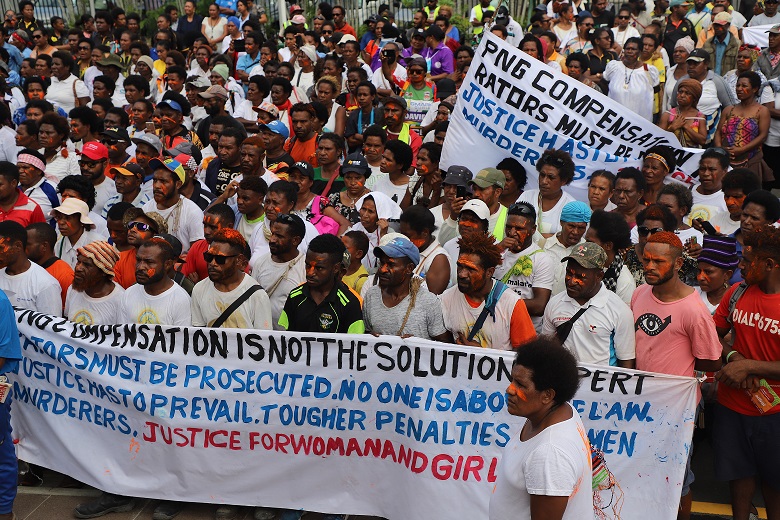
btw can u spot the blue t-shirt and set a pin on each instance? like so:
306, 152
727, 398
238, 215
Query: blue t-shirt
10, 349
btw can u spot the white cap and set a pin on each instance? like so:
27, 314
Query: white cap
477, 207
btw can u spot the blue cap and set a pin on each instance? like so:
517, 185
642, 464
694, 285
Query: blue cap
234, 20
400, 247
576, 211
170, 103
276, 127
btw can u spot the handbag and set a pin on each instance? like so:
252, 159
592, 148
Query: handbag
323, 223
563, 330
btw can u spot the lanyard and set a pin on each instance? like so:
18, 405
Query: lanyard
360, 119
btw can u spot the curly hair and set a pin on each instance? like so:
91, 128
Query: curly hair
484, 246
657, 212
233, 238
681, 193
765, 241
559, 160
552, 366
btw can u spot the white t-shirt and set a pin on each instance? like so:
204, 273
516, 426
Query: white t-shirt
601, 335
632, 88
84, 309
763, 19
385, 185
259, 244
60, 93
208, 303
723, 223
33, 289
622, 36
276, 276
555, 462
546, 221
459, 316
103, 191
66, 251
703, 295
247, 228
380, 81
535, 268
706, 206
625, 285
185, 221
171, 307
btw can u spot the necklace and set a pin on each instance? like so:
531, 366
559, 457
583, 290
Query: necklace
627, 78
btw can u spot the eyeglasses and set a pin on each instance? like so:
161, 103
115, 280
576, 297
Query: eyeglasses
327, 32
85, 48
219, 259
140, 226
36, 36
646, 231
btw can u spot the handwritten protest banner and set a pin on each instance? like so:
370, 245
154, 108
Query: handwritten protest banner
512, 105
400, 428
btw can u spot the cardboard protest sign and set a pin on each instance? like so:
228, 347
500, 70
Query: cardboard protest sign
512, 105
399, 428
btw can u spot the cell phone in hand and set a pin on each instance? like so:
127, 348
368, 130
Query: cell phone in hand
708, 228
462, 192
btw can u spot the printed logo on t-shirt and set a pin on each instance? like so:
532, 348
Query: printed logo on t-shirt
326, 321
83, 317
651, 324
148, 317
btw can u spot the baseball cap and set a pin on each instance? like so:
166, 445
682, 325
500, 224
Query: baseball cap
198, 82
119, 134
356, 162
173, 105
150, 139
295, 8
302, 167
267, 107
372, 19
699, 55
214, 91
435, 31
676, 3
775, 29
458, 176
95, 151
129, 170
71, 206
396, 100
588, 255
722, 18
172, 165
276, 127
418, 33
488, 177
477, 207
400, 247
347, 38
298, 19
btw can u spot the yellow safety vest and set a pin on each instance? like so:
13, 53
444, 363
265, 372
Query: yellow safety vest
498, 231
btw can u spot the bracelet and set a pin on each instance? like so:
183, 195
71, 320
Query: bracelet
728, 356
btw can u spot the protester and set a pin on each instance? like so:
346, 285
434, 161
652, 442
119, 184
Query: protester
418, 225
716, 263
529, 479
610, 231
75, 227
15, 205
556, 170
10, 356
510, 326
94, 298
707, 196
601, 187
632, 83
629, 190
41, 238
736, 185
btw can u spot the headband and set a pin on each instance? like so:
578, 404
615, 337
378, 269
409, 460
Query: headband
658, 158
31, 160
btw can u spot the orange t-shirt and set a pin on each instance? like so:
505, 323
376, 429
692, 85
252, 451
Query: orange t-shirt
303, 150
62, 271
124, 270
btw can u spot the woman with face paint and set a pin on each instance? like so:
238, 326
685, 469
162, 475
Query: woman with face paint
427, 190
355, 171
717, 262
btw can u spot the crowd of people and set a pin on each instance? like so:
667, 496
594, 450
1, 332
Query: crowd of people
225, 174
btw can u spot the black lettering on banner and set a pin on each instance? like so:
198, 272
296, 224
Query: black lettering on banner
613, 381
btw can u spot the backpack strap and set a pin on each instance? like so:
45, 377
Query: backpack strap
235, 305
490, 308
736, 295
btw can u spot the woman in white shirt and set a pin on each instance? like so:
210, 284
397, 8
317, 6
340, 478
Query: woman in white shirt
214, 28
556, 170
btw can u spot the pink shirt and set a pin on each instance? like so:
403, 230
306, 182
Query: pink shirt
671, 335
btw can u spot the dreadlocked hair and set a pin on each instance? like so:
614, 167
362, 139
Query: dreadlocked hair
482, 245
765, 241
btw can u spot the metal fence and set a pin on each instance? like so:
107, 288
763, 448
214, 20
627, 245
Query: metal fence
356, 10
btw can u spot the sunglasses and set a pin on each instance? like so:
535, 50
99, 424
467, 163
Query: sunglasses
140, 226
720, 151
520, 209
416, 72
646, 231
553, 161
623, 17
327, 32
219, 259
86, 48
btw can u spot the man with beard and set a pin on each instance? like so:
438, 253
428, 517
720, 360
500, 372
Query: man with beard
155, 299
396, 127
140, 228
477, 295
675, 333
574, 220
252, 157
401, 304
282, 269
274, 135
214, 99
227, 166
94, 297
227, 259
94, 156
280, 200
217, 217
183, 217
594, 324
303, 145
324, 303
127, 181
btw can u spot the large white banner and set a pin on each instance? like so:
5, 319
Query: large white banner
403, 429
512, 105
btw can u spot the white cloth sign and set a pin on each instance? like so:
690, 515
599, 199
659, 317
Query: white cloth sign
512, 105
333, 423
757, 36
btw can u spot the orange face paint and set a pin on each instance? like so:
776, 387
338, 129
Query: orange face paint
468, 263
418, 242
517, 392
150, 272
468, 224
